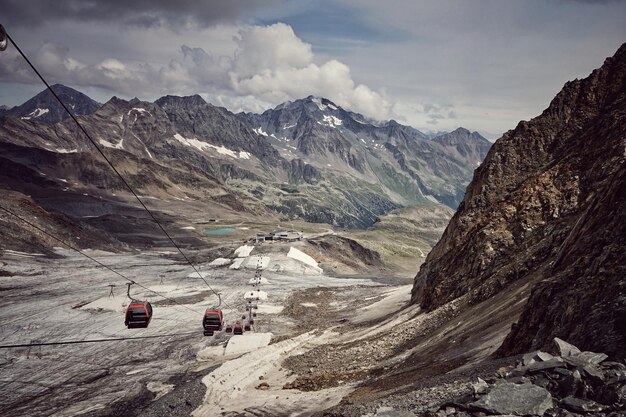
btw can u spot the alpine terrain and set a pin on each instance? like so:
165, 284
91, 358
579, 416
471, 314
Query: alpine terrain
173, 258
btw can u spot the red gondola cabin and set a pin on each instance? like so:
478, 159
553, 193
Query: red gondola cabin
212, 321
138, 314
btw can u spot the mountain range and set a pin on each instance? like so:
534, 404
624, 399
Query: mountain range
308, 159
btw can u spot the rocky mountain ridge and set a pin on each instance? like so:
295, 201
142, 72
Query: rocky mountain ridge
308, 159
545, 211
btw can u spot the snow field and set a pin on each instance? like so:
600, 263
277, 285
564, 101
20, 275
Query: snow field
233, 386
243, 251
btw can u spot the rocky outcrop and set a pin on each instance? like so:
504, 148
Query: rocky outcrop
547, 207
570, 383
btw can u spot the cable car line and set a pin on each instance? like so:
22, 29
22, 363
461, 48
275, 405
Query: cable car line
92, 258
75, 342
111, 164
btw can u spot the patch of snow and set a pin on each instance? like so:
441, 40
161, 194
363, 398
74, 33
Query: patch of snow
332, 107
61, 150
244, 228
231, 388
136, 371
203, 146
328, 165
310, 305
237, 263
243, 251
260, 131
253, 261
35, 113
248, 342
331, 121
195, 274
188, 228
62, 179
108, 144
138, 109
289, 126
298, 255
220, 262
244, 155
362, 140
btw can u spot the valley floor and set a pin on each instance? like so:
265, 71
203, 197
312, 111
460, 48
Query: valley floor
315, 339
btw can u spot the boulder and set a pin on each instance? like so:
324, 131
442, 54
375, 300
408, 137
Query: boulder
480, 387
565, 349
521, 400
578, 405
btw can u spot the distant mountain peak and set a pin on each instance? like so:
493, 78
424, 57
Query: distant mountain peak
45, 108
180, 101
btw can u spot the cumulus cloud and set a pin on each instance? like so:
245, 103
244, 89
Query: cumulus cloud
268, 65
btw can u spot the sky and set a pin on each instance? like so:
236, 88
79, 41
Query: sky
435, 65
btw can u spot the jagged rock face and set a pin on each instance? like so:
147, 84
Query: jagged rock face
194, 117
410, 167
45, 108
547, 206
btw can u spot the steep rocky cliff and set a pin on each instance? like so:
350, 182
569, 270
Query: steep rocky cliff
547, 209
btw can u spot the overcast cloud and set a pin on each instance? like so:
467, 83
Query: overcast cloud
482, 64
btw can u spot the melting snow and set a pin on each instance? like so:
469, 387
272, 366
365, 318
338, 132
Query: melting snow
61, 150
238, 344
188, 228
304, 258
138, 109
110, 145
289, 126
243, 251
203, 145
259, 131
35, 113
62, 179
220, 262
237, 263
363, 140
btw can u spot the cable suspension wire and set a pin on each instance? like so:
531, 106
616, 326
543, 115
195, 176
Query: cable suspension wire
111, 164
90, 257
75, 342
